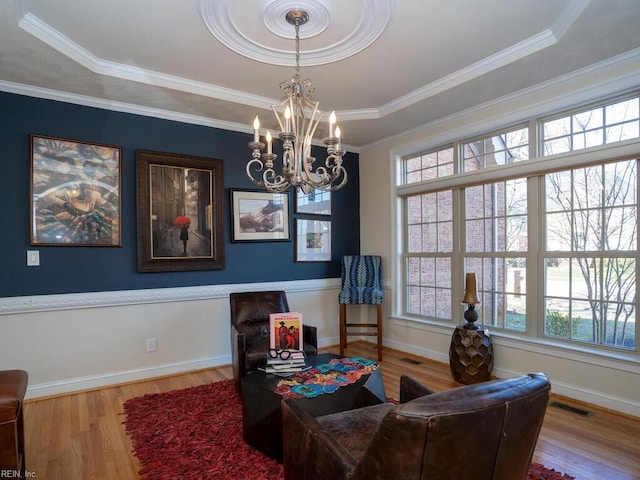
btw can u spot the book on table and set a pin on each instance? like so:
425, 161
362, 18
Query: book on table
285, 366
282, 361
284, 370
276, 357
285, 331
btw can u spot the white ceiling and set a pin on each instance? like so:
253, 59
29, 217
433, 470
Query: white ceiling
384, 66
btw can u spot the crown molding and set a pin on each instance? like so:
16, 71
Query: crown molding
568, 17
610, 77
374, 20
516, 52
42, 31
87, 101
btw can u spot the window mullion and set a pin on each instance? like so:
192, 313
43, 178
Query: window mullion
535, 257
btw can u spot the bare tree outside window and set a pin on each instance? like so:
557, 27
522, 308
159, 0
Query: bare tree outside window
591, 215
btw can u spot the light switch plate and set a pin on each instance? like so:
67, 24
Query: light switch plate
33, 258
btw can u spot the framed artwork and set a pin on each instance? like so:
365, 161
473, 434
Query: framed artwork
75, 193
313, 240
285, 331
180, 224
259, 216
317, 202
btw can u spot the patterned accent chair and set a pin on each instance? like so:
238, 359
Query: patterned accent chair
486, 430
250, 340
361, 285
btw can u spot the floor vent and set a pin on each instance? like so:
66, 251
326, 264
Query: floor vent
410, 360
569, 408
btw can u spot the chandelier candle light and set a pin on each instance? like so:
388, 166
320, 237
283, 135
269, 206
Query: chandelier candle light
298, 117
471, 299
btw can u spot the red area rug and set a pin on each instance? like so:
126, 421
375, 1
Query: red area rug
196, 433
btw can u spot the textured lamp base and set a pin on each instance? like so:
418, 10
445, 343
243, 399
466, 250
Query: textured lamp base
470, 355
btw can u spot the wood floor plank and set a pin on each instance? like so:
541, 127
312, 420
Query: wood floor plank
82, 437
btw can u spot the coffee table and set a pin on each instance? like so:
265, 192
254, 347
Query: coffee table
262, 417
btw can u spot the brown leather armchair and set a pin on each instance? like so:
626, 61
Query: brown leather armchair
482, 431
250, 329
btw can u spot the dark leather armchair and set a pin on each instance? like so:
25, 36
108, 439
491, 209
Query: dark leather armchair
250, 329
482, 431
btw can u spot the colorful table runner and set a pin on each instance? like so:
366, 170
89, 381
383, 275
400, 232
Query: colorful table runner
325, 378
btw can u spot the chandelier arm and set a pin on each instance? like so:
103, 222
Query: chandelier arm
256, 164
329, 185
313, 121
270, 180
336, 172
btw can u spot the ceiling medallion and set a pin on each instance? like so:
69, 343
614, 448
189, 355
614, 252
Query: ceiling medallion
337, 42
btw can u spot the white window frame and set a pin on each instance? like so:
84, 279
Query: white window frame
533, 169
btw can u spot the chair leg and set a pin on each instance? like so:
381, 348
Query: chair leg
379, 332
343, 328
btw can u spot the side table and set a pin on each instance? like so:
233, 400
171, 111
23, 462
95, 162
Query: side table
470, 355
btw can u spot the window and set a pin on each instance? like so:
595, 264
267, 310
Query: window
591, 246
499, 149
428, 166
495, 249
589, 128
554, 247
428, 259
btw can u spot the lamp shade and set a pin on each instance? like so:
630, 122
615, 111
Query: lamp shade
471, 290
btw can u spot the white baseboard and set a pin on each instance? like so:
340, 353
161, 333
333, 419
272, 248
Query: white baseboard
610, 402
126, 376
421, 352
71, 385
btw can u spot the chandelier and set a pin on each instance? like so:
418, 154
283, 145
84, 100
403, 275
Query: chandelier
298, 117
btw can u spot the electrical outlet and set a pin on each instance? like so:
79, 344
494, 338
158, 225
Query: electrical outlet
151, 345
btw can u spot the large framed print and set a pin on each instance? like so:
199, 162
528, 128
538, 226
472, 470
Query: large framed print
259, 216
313, 240
75, 193
317, 202
180, 204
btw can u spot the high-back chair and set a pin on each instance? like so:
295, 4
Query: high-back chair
361, 284
250, 340
485, 431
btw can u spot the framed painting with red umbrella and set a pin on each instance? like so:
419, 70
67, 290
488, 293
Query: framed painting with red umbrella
180, 225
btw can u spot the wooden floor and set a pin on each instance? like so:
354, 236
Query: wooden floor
81, 436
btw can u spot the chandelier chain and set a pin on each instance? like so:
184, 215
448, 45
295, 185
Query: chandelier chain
297, 48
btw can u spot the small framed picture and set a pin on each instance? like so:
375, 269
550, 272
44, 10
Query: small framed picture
259, 216
75, 193
313, 240
317, 202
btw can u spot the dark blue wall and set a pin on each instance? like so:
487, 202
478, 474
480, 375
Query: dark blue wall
90, 269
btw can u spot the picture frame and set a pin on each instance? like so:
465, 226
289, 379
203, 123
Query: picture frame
285, 331
75, 193
259, 216
180, 203
317, 202
313, 240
